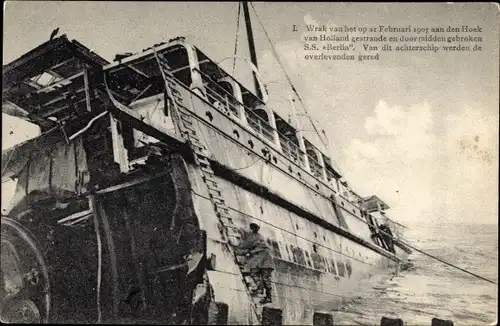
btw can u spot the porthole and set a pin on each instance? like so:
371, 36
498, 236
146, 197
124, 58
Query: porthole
275, 159
209, 115
290, 169
342, 203
300, 175
317, 187
236, 134
324, 239
315, 235
250, 142
297, 226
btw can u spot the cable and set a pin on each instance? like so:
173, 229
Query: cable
449, 264
287, 76
237, 34
246, 167
288, 285
437, 258
287, 231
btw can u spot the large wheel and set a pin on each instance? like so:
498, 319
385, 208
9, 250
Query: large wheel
24, 279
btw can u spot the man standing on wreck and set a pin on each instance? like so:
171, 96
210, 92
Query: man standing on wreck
259, 261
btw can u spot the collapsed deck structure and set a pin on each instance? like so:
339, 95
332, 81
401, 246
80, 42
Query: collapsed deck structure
146, 174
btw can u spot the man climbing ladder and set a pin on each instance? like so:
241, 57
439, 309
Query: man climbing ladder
259, 261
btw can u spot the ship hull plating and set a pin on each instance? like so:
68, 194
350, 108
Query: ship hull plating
150, 227
125, 222
316, 269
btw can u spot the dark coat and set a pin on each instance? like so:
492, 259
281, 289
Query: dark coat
260, 253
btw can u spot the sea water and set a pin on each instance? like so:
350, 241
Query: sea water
431, 289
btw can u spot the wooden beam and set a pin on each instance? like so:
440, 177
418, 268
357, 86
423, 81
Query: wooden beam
62, 63
75, 216
32, 84
142, 92
86, 86
62, 82
131, 183
138, 71
61, 108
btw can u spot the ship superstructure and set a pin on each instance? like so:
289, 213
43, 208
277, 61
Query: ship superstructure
146, 174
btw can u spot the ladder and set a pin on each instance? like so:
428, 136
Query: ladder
184, 123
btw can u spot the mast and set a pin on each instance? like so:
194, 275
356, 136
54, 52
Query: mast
251, 45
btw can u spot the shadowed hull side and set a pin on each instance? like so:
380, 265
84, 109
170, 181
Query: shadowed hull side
311, 273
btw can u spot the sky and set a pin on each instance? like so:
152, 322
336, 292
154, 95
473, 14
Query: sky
418, 129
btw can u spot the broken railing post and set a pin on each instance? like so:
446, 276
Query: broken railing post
385, 321
441, 322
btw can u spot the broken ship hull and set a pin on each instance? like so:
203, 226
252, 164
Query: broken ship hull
138, 234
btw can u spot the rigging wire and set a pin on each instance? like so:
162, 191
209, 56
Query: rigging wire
287, 231
8, 161
276, 56
437, 258
237, 34
246, 167
449, 264
402, 242
290, 286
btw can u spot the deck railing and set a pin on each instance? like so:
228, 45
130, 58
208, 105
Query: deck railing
316, 168
227, 102
230, 104
291, 150
329, 175
260, 125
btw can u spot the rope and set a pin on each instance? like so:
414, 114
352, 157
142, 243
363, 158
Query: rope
8, 161
246, 167
276, 56
449, 264
291, 286
438, 259
237, 34
287, 231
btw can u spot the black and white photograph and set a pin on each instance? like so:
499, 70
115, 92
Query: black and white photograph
250, 163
